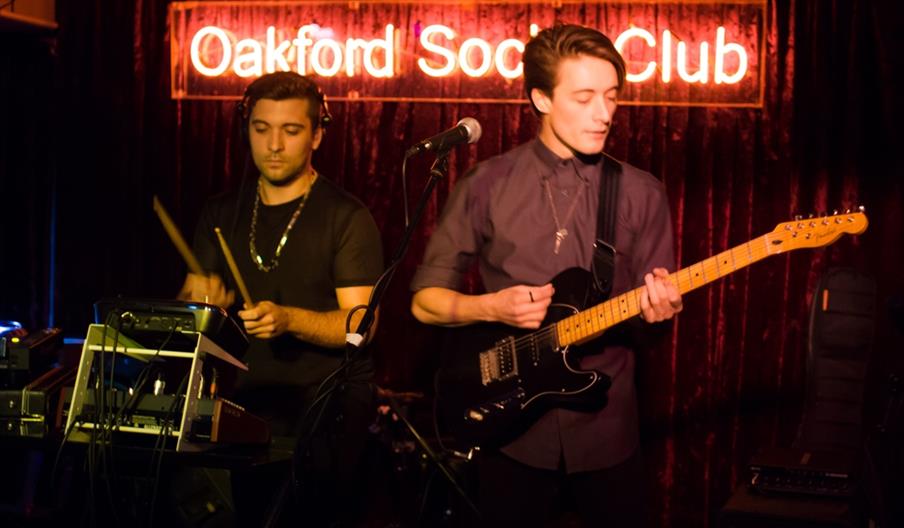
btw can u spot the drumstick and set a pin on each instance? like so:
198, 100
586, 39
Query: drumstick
193, 265
234, 269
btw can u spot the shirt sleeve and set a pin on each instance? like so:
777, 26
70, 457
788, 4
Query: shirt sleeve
359, 251
651, 223
454, 245
653, 245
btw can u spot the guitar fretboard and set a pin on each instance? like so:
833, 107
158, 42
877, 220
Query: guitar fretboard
592, 322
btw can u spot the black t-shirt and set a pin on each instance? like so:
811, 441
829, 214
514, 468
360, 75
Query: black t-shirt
333, 244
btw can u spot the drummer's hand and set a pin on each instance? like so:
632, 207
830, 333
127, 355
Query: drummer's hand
209, 289
265, 319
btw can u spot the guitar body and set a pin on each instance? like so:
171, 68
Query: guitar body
496, 380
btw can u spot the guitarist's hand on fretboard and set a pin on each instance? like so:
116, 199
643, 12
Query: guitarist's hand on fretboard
520, 306
661, 299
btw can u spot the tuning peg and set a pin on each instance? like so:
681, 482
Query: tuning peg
798, 218
861, 208
810, 216
847, 211
834, 212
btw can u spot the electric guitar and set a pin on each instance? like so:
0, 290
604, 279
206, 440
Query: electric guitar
496, 381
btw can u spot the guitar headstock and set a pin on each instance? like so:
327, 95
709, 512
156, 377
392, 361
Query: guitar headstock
816, 231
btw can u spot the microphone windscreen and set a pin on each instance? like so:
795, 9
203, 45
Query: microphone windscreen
473, 127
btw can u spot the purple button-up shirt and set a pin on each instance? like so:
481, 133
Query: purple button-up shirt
500, 216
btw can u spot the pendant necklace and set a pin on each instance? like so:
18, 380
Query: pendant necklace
561, 231
255, 256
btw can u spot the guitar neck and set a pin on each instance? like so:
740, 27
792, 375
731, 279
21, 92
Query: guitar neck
591, 323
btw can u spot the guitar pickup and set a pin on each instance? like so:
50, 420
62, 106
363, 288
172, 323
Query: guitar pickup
499, 363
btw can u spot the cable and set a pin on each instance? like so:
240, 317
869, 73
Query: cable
420, 513
348, 326
346, 362
144, 375
166, 426
405, 188
100, 446
439, 439
306, 437
351, 313
342, 366
91, 458
107, 420
96, 452
301, 445
59, 453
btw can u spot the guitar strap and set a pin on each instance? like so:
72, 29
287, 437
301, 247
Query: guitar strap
603, 265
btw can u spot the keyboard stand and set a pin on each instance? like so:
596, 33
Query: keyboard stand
101, 340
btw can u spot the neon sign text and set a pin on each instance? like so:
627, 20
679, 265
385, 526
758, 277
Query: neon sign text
711, 53
324, 56
214, 52
722, 49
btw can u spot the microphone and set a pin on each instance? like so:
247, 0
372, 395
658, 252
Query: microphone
466, 131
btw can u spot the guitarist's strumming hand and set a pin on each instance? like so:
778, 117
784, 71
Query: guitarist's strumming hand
660, 300
521, 306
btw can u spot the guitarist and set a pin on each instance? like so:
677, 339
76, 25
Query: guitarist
525, 216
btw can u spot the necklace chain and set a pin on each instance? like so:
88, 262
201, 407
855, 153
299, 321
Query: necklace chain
255, 256
561, 231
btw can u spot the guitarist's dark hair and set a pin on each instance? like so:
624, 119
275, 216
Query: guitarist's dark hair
544, 52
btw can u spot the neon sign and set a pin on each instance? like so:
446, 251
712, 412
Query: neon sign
386, 51
722, 49
487, 58
325, 57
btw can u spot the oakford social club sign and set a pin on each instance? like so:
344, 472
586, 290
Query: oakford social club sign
678, 53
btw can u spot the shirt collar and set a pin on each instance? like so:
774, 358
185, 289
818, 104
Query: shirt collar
549, 161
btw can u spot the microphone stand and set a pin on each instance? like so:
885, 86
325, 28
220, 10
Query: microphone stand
354, 342
438, 171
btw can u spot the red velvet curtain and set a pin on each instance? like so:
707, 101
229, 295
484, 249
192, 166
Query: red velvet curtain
727, 379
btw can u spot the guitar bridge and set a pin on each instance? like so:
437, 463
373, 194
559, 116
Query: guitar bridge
499, 363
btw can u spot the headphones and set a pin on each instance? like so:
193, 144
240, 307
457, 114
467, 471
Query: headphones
244, 106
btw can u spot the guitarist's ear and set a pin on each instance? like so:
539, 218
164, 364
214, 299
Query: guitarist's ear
542, 102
